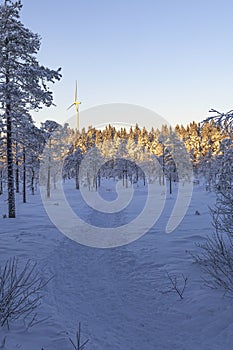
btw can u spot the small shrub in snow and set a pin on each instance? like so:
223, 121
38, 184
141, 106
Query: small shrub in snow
20, 289
216, 260
79, 345
176, 285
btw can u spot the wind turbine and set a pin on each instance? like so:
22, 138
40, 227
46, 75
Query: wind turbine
76, 103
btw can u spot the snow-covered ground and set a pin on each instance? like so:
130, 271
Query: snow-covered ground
117, 294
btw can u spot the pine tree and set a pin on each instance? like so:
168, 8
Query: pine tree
22, 79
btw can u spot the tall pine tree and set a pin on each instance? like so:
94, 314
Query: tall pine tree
23, 81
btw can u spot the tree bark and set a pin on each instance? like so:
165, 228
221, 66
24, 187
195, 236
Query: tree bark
163, 166
170, 183
9, 153
32, 182
1, 184
49, 172
24, 176
77, 175
10, 167
17, 167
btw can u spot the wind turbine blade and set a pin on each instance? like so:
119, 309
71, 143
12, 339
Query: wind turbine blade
70, 106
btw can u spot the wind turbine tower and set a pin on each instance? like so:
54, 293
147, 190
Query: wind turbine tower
76, 103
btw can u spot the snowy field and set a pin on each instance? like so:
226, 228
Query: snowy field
118, 295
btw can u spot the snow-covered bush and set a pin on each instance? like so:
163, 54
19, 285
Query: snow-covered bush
216, 257
216, 260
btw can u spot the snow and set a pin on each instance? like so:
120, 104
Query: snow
117, 294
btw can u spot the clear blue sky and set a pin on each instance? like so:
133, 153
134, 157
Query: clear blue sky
172, 56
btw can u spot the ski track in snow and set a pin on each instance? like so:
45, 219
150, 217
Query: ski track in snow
118, 294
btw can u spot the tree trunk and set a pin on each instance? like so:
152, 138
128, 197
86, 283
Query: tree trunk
77, 175
54, 182
48, 182
126, 175
10, 167
163, 166
49, 172
136, 173
99, 179
17, 168
170, 183
1, 184
24, 176
9, 153
32, 182
88, 182
95, 184
144, 179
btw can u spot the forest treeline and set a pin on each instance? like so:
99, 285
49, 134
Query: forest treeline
52, 146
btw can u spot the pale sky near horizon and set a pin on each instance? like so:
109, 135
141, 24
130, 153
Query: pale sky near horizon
173, 57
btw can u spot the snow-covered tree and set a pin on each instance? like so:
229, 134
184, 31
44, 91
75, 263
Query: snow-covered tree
54, 153
90, 167
23, 81
223, 210
224, 120
71, 166
217, 253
